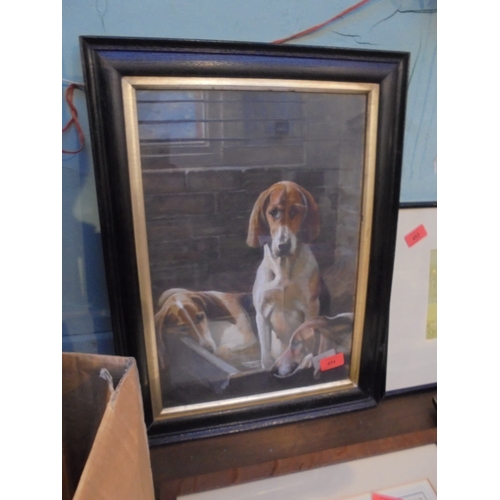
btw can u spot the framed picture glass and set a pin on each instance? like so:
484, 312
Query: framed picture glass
248, 196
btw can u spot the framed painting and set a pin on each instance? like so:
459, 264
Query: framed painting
248, 196
412, 346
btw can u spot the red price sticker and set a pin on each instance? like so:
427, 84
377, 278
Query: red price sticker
377, 496
416, 235
331, 362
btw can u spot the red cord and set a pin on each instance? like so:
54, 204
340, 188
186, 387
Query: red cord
71, 88
319, 26
74, 117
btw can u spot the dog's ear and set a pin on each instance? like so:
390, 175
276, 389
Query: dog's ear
161, 318
163, 313
337, 327
257, 226
311, 223
213, 306
160, 343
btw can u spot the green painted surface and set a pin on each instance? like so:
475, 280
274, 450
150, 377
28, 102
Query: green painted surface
432, 303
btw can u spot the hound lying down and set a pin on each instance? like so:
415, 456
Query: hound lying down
216, 321
313, 338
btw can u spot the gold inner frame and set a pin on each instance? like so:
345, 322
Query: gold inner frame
129, 87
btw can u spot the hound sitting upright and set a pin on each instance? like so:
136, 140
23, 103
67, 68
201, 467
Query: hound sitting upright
284, 219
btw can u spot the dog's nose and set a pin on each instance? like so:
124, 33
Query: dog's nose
209, 348
284, 248
284, 371
275, 370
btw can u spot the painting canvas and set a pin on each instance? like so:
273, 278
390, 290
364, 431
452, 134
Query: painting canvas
252, 214
249, 204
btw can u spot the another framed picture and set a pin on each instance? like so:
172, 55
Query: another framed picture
412, 351
248, 197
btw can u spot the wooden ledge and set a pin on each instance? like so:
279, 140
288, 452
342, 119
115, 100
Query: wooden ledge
397, 423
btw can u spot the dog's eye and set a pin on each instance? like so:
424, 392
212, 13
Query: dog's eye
180, 329
274, 213
296, 344
294, 211
199, 318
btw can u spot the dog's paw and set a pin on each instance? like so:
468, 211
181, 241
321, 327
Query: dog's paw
267, 363
306, 362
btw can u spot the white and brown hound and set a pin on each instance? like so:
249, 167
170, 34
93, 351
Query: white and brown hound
284, 220
313, 338
217, 321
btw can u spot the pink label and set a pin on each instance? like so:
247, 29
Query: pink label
416, 235
331, 362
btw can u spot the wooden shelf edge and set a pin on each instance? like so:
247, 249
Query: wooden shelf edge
230, 477
399, 423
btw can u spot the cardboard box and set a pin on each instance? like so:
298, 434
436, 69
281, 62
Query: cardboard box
105, 445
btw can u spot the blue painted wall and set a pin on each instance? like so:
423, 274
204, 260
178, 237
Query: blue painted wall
403, 25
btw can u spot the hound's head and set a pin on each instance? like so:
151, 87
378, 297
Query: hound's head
187, 313
288, 214
312, 338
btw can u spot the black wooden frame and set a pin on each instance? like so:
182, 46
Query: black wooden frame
105, 61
